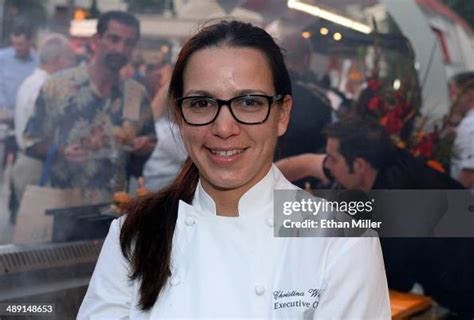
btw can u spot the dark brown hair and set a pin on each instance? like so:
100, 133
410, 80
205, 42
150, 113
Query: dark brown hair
118, 16
361, 137
147, 233
21, 26
464, 80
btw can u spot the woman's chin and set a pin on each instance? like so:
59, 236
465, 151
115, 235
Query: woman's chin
226, 180
224, 183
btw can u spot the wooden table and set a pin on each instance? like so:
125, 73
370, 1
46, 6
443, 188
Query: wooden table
404, 305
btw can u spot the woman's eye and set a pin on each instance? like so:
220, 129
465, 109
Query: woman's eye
250, 102
200, 103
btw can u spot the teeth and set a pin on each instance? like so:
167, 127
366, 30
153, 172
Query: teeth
226, 153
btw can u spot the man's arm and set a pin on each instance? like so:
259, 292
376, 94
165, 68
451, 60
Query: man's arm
143, 146
144, 143
466, 178
304, 165
38, 151
72, 152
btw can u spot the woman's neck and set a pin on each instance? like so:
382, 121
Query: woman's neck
227, 200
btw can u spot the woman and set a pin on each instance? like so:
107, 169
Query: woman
204, 246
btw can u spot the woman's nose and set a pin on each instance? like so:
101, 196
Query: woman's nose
225, 125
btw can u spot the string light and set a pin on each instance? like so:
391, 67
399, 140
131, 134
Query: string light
328, 15
397, 84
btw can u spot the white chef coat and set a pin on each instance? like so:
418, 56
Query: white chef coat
233, 267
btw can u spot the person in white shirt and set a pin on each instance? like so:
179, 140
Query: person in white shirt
55, 54
462, 160
204, 247
16, 63
168, 156
170, 153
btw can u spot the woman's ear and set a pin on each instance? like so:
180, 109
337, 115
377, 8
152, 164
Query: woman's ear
284, 118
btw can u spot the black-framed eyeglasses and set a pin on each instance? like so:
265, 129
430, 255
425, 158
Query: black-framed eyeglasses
246, 109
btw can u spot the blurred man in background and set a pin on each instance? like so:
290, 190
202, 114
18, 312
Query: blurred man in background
88, 123
360, 156
55, 54
311, 110
16, 63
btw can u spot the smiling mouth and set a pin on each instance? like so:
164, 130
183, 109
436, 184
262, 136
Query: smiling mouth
226, 153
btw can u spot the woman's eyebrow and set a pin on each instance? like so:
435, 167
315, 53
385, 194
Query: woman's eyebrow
236, 93
198, 93
249, 91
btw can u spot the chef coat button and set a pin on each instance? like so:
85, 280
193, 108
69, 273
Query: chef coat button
259, 290
175, 280
189, 221
270, 222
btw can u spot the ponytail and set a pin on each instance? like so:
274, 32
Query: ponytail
147, 234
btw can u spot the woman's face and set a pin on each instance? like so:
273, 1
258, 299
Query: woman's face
230, 155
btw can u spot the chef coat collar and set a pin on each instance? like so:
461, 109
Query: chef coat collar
256, 199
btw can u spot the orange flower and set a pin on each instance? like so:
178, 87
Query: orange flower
121, 199
436, 165
400, 144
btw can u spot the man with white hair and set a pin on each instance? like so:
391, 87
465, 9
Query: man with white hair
55, 54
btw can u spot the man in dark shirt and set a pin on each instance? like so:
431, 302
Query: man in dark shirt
311, 110
360, 155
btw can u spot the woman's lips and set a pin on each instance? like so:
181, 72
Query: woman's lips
225, 156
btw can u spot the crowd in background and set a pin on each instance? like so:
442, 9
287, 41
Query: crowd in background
313, 97
324, 145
